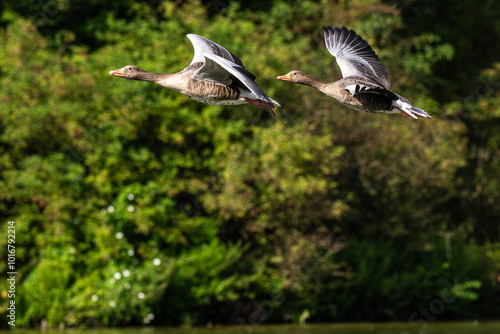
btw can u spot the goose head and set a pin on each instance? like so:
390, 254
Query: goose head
130, 72
297, 77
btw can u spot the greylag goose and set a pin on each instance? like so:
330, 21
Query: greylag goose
365, 84
215, 76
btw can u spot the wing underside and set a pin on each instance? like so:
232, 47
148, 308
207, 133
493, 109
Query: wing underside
355, 56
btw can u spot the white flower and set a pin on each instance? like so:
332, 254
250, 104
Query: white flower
112, 303
112, 280
72, 250
126, 273
130, 197
130, 208
95, 298
157, 262
141, 295
119, 235
127, 286
111, 208
117, 275
130, 252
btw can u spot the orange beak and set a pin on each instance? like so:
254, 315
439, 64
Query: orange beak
117, 73
285, 77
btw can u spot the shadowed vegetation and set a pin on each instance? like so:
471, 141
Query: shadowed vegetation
131, 200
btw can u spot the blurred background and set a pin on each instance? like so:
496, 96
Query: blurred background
136, 205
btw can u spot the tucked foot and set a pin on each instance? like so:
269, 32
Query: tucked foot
260, 103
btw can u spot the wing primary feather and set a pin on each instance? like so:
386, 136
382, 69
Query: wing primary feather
241, 75
355, 56
203, 45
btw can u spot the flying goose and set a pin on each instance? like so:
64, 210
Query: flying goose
215, 76
365, 84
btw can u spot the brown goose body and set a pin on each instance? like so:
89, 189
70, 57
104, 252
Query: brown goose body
206, 92
365, 85
370, 103
215, 76
375, 103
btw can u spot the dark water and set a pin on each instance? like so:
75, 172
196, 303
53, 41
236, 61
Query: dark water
396, 328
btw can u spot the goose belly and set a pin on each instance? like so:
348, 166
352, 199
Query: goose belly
215, 101
214, 94
370, 110
370, 103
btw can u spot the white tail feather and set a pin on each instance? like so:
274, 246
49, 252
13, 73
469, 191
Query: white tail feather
406, 107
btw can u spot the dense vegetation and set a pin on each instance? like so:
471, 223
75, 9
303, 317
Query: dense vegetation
134, 204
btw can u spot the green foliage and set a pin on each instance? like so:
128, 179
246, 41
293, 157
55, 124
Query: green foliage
135, 205
45, 288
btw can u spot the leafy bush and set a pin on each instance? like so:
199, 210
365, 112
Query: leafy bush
135, 205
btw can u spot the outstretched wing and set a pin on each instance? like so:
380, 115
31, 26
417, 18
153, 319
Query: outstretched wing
220, 70
202, 45
355, 56
212, 72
